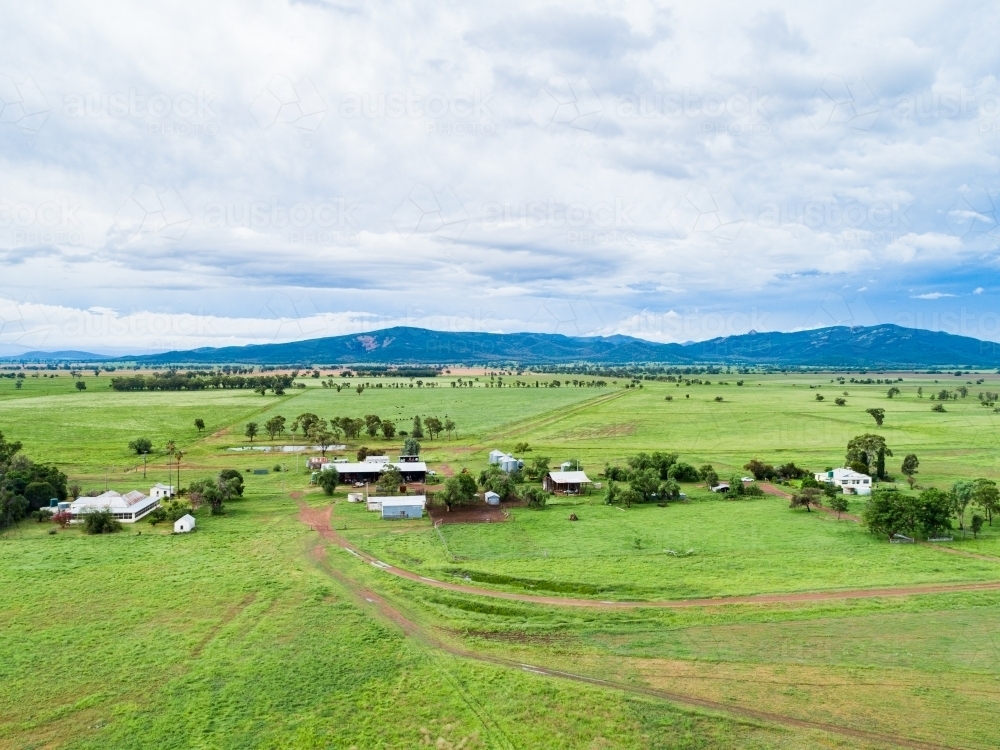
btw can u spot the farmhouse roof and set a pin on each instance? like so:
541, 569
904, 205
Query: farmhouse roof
569, 477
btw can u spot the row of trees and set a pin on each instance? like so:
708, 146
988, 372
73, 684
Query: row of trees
325, 433
889, 512
173, 381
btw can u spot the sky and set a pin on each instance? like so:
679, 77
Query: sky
209, 174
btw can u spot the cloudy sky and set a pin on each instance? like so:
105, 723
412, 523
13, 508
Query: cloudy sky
230, 173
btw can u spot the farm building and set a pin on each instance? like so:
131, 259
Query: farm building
316, 462
407, 506
565, 482
160, 491
492, 498
369, 470
127, 508
851, 482
184, 524
496, 455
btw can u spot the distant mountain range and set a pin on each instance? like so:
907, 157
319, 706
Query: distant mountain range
880, 346
64, 356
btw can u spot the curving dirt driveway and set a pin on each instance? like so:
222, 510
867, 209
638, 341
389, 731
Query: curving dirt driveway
319, 520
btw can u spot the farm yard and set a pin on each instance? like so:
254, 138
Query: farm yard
268, 626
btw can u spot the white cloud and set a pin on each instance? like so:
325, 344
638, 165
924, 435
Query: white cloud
931, 295
978, 290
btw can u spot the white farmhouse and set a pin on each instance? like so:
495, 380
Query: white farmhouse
851, 482
184, 524
160, 491
127, 508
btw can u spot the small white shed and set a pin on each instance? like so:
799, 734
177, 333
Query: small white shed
184, 524
492, 498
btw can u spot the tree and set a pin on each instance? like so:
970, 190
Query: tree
708, 474
38, 494
434, 427
324, 439
888, 512
819, 396
682, 472
840, 401
372, 424
449, 427
411, 447
80, 385
807, 497
977, 525
141, 446
934, 512
962, 493
458, 490
880, 464
101, 522
200, 424
838, 503
522, 448
63, 518
388, 429
864, 449
251, 430
235, 479
878, 415
329, 478
389, 481
418, 428
894, 391
536, 497
987, 497
909, 467
760, 470
538, 467
307, 422
275, 426
938, 407
493, 479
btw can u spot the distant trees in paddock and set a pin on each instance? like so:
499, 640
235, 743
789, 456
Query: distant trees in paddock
192, 381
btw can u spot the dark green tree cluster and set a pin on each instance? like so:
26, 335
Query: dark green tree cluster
227, 486
25, 486
192, 381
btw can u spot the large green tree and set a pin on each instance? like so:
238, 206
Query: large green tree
864, 449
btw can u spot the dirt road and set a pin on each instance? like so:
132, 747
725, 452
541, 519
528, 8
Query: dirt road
319, 520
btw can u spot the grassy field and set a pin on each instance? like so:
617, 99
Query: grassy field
240, 636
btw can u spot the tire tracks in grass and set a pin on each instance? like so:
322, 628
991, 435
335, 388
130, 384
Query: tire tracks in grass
365, 596
319, 520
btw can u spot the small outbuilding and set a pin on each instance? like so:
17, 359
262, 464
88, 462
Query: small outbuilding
850, 482
160, 491
565, 482
184, 524
408, 506
492, 498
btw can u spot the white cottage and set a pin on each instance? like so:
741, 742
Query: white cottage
184, 524
851, 482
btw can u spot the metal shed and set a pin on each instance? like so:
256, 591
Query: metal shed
407, 506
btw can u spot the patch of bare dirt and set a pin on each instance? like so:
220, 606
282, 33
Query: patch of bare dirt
468, 514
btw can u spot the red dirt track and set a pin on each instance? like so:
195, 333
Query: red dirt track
319, 520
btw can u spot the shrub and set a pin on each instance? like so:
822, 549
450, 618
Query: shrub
536, 497
328, 480
101, 522
683, 472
